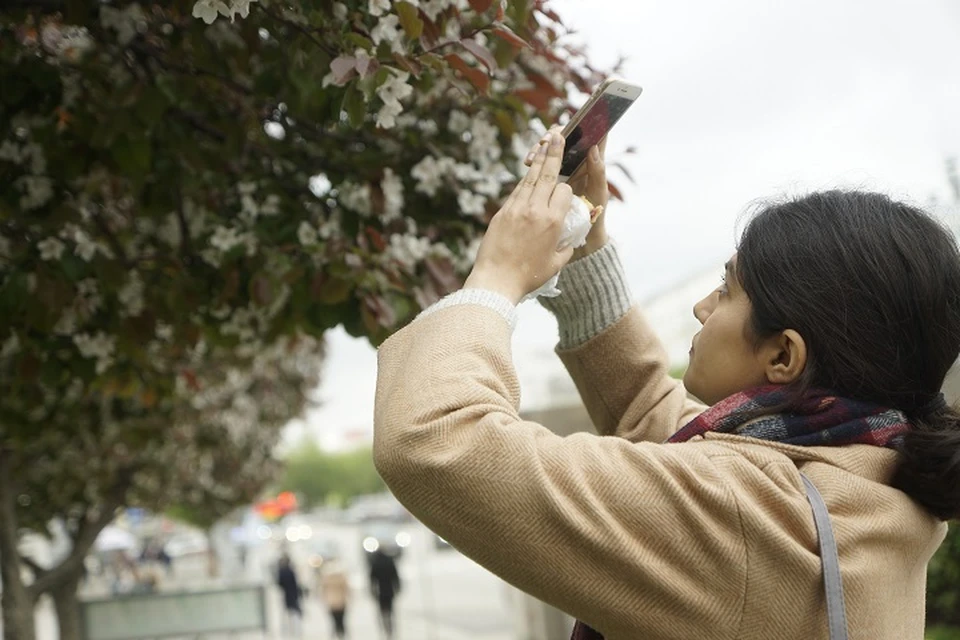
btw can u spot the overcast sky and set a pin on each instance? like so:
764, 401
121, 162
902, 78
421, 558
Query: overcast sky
742, 100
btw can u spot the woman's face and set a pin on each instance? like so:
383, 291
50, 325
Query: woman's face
723, 358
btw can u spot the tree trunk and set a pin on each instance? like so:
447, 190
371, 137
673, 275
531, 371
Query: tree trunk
17, 601
67, 605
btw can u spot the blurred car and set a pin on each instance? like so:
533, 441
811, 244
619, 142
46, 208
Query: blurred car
388, 537
322, 550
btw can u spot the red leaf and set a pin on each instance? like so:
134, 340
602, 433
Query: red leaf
377, 238
441, 273
538, 99
480, 5
366, 66
191, 379
409, 64
343, 68
508, 34
431, 33
499, 12
614, 191
481, 53
550, 13
476, 77
543, 84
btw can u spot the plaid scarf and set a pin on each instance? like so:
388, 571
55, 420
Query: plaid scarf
818, 419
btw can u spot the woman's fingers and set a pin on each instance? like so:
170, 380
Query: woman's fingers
550, 169
561, 199
526, 186
544, 139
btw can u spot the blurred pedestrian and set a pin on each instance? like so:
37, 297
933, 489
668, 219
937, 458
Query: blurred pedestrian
335, 593
287, 580
385, 585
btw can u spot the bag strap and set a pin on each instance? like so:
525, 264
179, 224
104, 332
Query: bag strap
836, 610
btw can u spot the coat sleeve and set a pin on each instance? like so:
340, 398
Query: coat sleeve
638, 540
623, 376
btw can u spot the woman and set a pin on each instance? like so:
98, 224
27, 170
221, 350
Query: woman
823, 352
292, 592
335, 592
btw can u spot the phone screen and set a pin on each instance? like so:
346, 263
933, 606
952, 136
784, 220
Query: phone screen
590, 130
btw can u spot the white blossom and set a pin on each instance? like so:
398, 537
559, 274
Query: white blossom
329, 228
75, 42
379, 7
408, 250
123, 21
207, 10
484, 142
429, 127
392, 187
225, 238
434, 8
392, 91
11, 152
38, 191
50, 249
339, 11
100, 347
387, 115
131, 295
459, 121
471, 203
67, 324
11, 346
354, 197
271, 205
164, 332
468, 256
88, 297
86, 248
388, 30
430, 172
307, 234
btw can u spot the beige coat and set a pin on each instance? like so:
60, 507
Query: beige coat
709, 539
334, 587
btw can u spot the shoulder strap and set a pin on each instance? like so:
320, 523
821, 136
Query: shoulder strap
836, 613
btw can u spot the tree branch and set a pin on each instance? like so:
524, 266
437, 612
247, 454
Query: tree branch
33, 566
87, 534
293, 25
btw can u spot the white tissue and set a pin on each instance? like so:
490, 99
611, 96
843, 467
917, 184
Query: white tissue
576, 227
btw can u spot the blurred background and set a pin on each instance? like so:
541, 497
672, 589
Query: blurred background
743, 101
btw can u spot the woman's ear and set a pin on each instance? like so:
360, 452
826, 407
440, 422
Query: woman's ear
788, 357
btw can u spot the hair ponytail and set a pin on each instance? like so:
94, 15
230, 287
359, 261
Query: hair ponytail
929, 469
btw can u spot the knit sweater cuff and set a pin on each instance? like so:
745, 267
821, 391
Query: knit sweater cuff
593, 296
481, 297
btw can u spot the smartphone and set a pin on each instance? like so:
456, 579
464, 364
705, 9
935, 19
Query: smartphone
594, 120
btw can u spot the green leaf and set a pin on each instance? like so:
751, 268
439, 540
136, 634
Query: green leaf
132, 156
360, 41
409, 19
151, 106
354, 105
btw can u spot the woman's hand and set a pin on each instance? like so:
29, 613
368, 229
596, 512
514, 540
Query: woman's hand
590, 180
519, 250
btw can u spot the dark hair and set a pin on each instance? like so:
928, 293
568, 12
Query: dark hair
873, 287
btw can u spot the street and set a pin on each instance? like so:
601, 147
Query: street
444, 595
